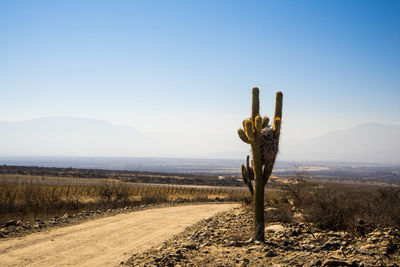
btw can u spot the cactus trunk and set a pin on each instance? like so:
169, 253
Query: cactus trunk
258, 193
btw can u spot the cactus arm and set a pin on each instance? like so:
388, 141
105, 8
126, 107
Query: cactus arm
277, 128
278, 105
248, 129
248, 176
244, 175
247, 167
268, 170
258, 123
243, 136
278, 114
255, 103
265, 121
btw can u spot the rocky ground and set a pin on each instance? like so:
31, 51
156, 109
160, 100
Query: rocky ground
223, 240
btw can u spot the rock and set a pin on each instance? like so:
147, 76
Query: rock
206, 244
207, 220
275, 228
390, 248
338, 263
258, 243
332, 244
271, 253
11, 223
316, 263
295, 232
272, 244
367, 249
308, 247
269, 209
190, 246
245, 262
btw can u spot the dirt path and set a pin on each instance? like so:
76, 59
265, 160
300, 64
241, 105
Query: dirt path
106, 241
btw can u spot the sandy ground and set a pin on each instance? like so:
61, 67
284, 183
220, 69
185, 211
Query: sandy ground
106, 241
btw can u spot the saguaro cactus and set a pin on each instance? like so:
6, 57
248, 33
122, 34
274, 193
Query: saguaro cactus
264, 142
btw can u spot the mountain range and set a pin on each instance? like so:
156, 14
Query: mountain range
62, 136
370, 142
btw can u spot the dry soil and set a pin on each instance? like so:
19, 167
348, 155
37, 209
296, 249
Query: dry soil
105, 241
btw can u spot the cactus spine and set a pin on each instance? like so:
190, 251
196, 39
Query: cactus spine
264, 142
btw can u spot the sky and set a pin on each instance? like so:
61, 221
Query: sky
182, 71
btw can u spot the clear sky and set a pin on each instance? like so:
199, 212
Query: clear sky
182, 71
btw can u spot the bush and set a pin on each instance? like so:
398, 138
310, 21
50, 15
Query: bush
335, 207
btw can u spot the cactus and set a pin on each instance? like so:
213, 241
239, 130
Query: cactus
264, 142
248, 175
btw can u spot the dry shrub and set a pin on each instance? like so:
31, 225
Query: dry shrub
36, 198
281, 212
357, 210
154, 199
278, 208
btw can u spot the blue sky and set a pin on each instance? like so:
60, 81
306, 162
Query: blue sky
183, 70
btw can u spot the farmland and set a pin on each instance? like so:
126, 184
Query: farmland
25, 195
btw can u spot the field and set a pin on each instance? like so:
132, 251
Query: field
355, 223
24, 197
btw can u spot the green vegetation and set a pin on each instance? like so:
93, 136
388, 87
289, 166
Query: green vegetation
264, 142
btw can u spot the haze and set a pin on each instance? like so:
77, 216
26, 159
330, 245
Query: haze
173, 78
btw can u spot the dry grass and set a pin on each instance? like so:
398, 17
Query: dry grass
356, 210
26, 197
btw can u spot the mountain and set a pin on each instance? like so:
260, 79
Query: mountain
73, 137
63, 136
371, 142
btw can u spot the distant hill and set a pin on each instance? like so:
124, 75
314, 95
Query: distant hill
64, 136
73, 137
371, 142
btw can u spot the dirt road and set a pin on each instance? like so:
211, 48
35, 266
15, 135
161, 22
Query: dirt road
106, 241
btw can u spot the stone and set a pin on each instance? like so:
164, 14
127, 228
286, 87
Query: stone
11, 223
367, 248
337, 262
190, 246
274, 228
271, 253
316, 263
332, 244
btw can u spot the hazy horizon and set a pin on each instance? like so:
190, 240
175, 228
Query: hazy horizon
83, 137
